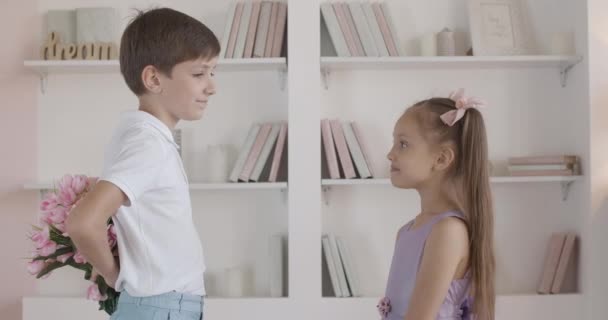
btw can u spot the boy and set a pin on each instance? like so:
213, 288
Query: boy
167, 59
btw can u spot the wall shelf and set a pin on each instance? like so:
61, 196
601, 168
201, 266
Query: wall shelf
193, 186
563, 63
565, 181
44, 68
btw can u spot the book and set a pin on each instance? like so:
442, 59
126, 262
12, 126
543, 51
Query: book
554, 250
244, 152
565, 261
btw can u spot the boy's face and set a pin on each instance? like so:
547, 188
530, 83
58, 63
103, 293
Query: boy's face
186, 92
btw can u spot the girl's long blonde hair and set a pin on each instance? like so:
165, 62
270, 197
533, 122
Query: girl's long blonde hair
471, 171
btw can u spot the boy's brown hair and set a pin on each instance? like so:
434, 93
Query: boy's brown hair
162, 38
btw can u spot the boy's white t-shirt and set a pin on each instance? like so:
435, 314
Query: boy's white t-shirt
158, 245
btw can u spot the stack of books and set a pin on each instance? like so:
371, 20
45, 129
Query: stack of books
255, 30
344, 155
263, 155
361, 29
559, 165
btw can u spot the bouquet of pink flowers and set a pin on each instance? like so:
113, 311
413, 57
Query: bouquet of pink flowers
54, 248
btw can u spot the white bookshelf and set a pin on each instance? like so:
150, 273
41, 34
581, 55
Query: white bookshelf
523, 91
562, 64
194, 186
386, 181
46, 67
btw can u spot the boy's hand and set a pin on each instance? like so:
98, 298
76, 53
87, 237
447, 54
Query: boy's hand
111, 278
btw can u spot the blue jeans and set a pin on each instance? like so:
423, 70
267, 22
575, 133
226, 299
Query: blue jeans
172, 305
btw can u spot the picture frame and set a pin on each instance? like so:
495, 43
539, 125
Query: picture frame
499, 27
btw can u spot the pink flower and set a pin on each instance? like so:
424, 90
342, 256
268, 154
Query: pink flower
49, 202
56, 216
112, 239
41, 237
48, 248
64, 257
79, 258
71, 187
384, 307
79, 183
35, 267
94, 294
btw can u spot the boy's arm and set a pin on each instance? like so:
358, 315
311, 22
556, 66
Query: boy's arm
87, 227
445, 248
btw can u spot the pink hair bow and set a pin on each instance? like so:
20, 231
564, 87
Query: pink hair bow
462, 104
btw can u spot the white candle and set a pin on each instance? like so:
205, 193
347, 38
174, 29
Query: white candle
428, 45
235, 283
446, 45
562, 43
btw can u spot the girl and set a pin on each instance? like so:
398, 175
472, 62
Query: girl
443, 262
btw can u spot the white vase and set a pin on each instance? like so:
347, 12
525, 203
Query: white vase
217, 164
428, 45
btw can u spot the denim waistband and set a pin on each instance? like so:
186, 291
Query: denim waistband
170, 300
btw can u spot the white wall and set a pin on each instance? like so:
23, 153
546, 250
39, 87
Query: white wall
598, 82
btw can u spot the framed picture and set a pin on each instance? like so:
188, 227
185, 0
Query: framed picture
499, 27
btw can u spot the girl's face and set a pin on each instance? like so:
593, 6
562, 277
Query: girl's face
413, 159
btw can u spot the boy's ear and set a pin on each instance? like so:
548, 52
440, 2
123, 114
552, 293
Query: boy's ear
150, 77
445, 157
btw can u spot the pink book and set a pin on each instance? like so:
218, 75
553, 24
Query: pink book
363, 146
279, 31
343, 22
330, 150
253, 24
353, 30
539, 173
564, 262
551, 261
274, 12
236, 22
278, 153
561, 159
255, 152
385, 30
343, 153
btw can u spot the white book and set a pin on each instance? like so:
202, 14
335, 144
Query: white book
540, 167
244, 152
365, 34
391, 26
262, 31
227, 27
375, 29
333, 28
276, 266
339, 266
349, 268
239, 48
263, 158
355, 151
333, 273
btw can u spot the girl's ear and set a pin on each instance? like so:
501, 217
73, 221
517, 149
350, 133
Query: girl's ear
445, 157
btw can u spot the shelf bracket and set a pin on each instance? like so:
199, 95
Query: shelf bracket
566, 189
325, 77
325, 190
283, 79
43, 82
565, 69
